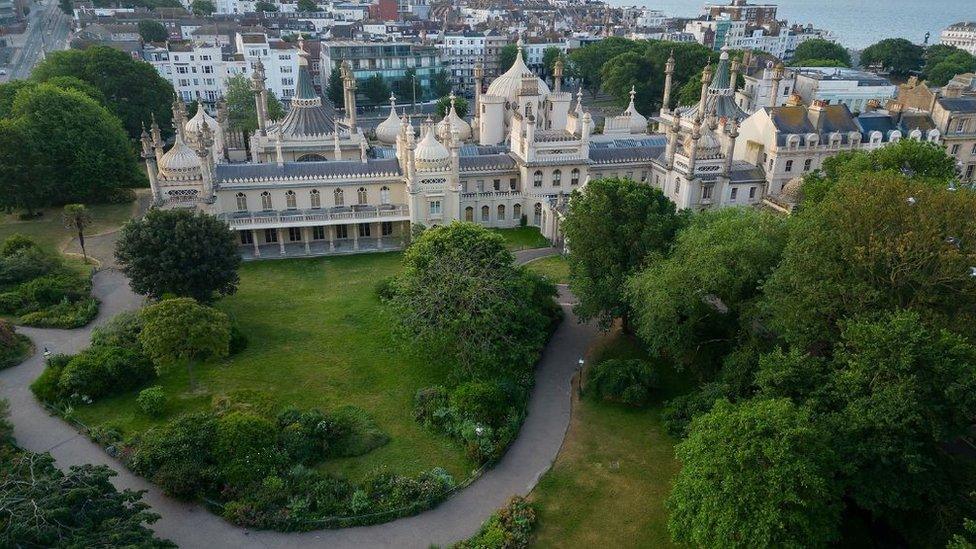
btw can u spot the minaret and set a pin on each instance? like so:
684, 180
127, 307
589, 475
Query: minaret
733, 131
222, 118
668, 78
479, 75
362, 151
693, 153
706, 80
152, 169
774, 91
157, 139
205, 152
349, 86
673, 139
557, 72
260, 96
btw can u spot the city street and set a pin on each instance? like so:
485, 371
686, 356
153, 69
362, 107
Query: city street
47, 30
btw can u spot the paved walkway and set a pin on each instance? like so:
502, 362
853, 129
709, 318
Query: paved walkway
190, 525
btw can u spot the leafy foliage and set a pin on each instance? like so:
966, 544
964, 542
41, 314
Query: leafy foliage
180, 253
242, 111
103, 371
943, 62
820, 50
460, 106
152, 31
628, 381
14, 347
506, 57
152, 401
181, 331
509, 528
603, 255
588, 61
896, 55
202, 7
375, 89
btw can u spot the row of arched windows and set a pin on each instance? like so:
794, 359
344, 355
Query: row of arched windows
486, 212
557, 178
314, 197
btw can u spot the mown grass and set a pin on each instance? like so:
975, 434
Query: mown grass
49, 231
554, 267
608, 485
523, 238
318, 337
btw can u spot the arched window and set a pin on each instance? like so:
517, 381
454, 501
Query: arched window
517, 211
537, 178
537, 217
384, 195
363, 197
241, 202
557, 176
266, 200
315, 198
501, 212
807, 164
574, 177
290, 202
338, 197
469, 214
485, 213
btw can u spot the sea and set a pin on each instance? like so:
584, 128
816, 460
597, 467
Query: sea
855, 23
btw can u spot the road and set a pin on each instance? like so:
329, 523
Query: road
47, 30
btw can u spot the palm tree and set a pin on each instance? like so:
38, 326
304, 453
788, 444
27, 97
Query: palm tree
77, 217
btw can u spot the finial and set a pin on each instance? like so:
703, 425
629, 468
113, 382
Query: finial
633, 92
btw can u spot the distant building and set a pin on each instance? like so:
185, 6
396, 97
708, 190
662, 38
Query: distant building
767, 83
850, 87
391, 60
740, 10
961, 35
461, 51
954, 113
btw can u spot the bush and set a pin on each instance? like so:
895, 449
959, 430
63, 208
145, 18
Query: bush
238, 340
121, 331
627, 381
245, 447
102, 371
63, 315
152, 401
509, 528
46, 387
52, 289
178, 456
679, 411
307, 436
25, 264
15, 243
386, 288
430, 406
14, 347
481, 402
356, 433
11, 302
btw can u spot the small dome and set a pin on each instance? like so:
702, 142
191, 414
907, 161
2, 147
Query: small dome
430, 153
452, 120
509, 85
180, 162
195, 125
708, 145
388, 130
792, 192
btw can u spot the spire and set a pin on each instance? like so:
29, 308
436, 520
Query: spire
579, 99
633, 93
722, 73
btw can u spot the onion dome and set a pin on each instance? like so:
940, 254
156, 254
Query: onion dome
431, 154
509, 85
194, 129
453, 122
180, 162
388, 130
638, 123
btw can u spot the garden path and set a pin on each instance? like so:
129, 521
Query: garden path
190, 525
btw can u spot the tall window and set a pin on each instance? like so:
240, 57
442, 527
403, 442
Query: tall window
338, 197
271, 235
557, 176
789, 165
266, 201
537, 178
318, 232
241, 202
807, 164
706, 192
435, 207
342, 231
485, 213
469, 214
363, 197
735, 191
294, 234
315, 198
384, 195
386, 229
290, 202
501, 212
364, 229
537, 216
517, 211
574, 176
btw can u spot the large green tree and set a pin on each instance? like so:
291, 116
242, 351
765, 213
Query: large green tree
242, 111
334, 90
692, 301
462, 298
177, 332
756, 474
375, 89
506, 57
152, 31
60, 146
180, 253
202, 7
589, 60
612, 226
133, 90
895, 55
440, 84
943, 62
879, 241
444, 105
820, 50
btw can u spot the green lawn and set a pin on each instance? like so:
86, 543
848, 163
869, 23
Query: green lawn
613, 473
318, 337
554, 267
523, 238
49, 231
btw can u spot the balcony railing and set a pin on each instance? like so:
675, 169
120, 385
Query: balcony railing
313, 217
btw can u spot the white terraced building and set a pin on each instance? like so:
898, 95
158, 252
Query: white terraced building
315, 184
961, 35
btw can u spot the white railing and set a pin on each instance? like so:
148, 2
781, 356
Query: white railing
311, 217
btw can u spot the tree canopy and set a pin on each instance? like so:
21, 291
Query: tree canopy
334, 90
943, 62
60, 146
152, 31
604, 254
242, 111
180, 253
133, 90
440, 84
181, 331
895, 55
820, 49
643, 68
375, 89
460, 106
202, 7
307, 5
506, 57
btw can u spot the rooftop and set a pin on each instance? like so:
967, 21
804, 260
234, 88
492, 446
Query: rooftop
838, 74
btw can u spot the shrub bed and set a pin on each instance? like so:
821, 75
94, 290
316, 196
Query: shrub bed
14, 347
38, 289
509, 528
628, 381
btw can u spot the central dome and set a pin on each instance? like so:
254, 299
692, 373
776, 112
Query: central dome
509, 85
430, 153
180, 162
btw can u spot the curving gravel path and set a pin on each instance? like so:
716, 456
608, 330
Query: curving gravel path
190, 525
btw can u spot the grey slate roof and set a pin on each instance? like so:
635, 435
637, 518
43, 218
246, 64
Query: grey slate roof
486, 162
304, 119
959, 104
291, 170
799, 120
